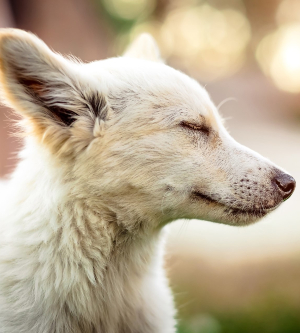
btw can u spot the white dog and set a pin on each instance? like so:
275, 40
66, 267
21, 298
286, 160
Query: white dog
114, 150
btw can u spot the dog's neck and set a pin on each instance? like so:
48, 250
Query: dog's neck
82, 229
82, 254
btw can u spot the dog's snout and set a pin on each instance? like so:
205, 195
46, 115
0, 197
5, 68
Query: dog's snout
286, 184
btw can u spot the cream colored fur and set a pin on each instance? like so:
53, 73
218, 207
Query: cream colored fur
113, 151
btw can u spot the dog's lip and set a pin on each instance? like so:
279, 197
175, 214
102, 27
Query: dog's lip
198, 194
254, 212
234, 210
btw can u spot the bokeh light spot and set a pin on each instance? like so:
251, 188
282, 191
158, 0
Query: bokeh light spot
203, 38
279, 56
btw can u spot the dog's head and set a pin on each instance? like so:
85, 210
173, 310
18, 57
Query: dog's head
137, 135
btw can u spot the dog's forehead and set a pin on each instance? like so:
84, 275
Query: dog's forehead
155, 84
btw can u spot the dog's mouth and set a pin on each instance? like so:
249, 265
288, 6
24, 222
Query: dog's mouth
233, 211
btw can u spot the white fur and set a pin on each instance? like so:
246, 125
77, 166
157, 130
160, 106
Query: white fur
82, 224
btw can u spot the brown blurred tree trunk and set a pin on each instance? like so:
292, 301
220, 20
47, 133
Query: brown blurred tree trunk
7, 144
68, 26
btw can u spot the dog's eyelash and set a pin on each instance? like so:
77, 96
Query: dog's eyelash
195, 127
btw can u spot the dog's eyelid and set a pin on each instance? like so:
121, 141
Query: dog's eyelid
196, 127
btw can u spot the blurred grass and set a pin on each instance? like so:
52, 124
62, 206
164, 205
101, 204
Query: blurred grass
249, 297
261, 319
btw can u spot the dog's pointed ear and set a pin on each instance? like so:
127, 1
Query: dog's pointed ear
44, 87
144, 47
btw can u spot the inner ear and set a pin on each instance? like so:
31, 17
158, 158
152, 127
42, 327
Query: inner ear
40, 92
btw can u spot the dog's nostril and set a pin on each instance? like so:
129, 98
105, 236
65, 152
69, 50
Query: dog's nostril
286, 184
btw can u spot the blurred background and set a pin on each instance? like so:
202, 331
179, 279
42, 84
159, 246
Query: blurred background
247, 55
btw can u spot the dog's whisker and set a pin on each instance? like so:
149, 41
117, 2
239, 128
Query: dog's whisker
225, 101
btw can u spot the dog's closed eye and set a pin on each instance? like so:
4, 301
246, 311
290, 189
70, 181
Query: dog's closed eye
195, 127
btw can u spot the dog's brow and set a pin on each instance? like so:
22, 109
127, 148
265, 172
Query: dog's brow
210, 117
202, 118
199, 119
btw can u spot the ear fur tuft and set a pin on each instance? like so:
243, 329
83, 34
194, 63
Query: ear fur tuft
98, 105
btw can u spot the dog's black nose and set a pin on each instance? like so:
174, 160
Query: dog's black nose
286, 185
